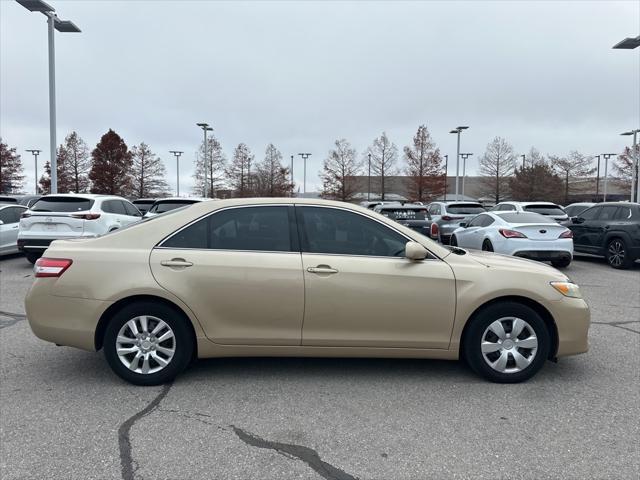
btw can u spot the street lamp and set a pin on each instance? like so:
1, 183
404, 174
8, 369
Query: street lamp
457, 131
205, 128
523, 160
606, 157
464, 168
304, 157
634, 165
177, 154
446, 171
598, 178
64, 26
369, 179
628, 43
292, 182
35, 158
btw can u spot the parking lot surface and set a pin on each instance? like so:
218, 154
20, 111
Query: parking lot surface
63, 414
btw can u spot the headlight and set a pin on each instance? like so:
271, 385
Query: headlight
567, 289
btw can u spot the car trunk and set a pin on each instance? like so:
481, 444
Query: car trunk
57, 216
542, 231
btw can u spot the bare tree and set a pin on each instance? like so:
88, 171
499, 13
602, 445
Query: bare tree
272, 176
384, 154
497, 164
424, 167
111, 167
77, 163
214, 167
239, 170
11, 170
338, 172
570, 168
65, 183
148, 173
535, 183
623, 166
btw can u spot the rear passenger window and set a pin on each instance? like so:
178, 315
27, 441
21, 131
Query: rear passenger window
246, 228
591, 213
607, 213
132, 211
623, 213
114, 206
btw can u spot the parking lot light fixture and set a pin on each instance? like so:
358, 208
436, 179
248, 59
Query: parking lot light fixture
464, 168
177, 154
65, 26
369, 179
524, 158
597, 178
205, 163
635, 179
304, 181
35, 154
628, 43
446, 172
292, 181
606, 157
457, 131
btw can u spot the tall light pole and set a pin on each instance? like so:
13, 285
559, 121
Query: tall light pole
606, 157
446, 173
523, 160
177, 154
458, 131
635, 180
35, 158
205, 128
65, 26
304, 157
464, 168
598, 178
292, 182
369, 179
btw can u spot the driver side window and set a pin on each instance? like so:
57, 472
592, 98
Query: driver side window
339, 232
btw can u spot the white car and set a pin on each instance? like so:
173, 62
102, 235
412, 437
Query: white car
163, 205
547, 209
9, 221
521, 234
66, 216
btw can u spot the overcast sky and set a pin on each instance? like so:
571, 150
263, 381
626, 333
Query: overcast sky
301, 74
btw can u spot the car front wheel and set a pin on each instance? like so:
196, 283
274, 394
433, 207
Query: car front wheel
617, 254
506, 343
148, 344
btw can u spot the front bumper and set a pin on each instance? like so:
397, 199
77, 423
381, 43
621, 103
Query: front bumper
573, 319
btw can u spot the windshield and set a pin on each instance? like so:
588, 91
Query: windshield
545, 209
466, 208
525, 217
62, 204
168, 205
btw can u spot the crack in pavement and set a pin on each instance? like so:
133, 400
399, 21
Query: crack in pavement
13, 319
620, 325
306, 454
128, 466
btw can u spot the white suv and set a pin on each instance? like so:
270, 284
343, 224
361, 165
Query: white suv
65, 216
547, 209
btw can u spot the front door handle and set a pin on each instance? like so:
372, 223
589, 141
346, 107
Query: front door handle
322, 269
176, 262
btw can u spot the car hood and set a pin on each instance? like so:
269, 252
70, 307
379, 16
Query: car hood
495, 260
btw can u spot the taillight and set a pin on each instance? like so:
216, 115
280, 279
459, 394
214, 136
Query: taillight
506, 233
448, 218
566, 234
25, 215
86, 216
434, 230
51, 267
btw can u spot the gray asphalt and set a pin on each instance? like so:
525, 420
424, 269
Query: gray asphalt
63, 414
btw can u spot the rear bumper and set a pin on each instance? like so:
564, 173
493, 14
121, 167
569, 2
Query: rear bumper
34, 245
544, 255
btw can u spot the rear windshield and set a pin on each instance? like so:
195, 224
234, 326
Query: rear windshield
525, 217
8, 200
545, 209
62, 204
405, 213
144, 204
167, 205
465, 208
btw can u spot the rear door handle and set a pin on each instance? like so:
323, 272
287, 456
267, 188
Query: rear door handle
322, 269
176, 262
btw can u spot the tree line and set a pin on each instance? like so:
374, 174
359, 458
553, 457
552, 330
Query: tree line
114, 168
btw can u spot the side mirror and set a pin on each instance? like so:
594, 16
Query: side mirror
1, 222
577, 220
415, 251
464, 224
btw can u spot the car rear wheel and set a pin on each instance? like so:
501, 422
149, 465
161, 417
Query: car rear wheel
617, 254
32, 257
487, 246
148, 344
506, 343
454, 241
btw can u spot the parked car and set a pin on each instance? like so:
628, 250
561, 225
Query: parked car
29, 200
521, 234
163, 205
303, 277
144, 204
5, 200
576, 209
373, 204
9, 221
410, 215
447, 217
65, 216
543, 208
610, 230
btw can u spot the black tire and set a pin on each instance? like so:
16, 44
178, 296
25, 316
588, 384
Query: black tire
617, 254
454, 241
487, 246
183, 338
32, 257
475, 331
561, 263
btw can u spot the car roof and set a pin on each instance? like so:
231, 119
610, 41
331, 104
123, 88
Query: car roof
529, 203
190, 199
145, 200
90, 196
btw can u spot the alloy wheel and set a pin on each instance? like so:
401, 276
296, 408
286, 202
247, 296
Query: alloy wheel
509, 345
145, 344
616, 253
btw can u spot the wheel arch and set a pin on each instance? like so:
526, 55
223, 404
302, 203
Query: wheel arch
540, 309
120, 304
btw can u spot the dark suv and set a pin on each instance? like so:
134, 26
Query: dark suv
611, 230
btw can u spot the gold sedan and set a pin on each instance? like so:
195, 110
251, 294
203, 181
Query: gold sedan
298, 277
